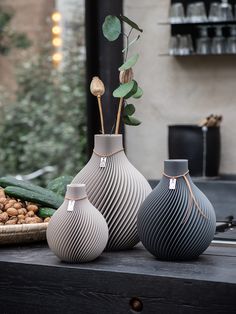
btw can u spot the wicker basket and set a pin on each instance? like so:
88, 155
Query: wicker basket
12, 234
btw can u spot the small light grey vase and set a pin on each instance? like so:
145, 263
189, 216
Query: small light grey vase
116, 188
77, 232
176, 221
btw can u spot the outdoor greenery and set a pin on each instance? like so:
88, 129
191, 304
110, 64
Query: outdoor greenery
8, 38
47, 124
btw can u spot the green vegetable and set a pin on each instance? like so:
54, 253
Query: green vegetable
59, 185
48, 198
45, 212
6, 181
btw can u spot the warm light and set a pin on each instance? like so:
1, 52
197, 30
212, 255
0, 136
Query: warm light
57, 42
56, 30
57, 57
56, 17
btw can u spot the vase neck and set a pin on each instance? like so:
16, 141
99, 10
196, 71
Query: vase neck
76, 191
108, 144
175, 167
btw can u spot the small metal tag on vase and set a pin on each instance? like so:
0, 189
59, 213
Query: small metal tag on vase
71, 205
103, 162
172, 184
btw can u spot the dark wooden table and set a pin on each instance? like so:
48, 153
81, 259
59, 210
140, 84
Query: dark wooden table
33, 280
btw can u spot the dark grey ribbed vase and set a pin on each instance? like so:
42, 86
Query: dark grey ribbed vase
170, 224
79, 235
117, 190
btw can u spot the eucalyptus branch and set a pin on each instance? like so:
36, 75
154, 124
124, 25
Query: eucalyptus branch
112, 29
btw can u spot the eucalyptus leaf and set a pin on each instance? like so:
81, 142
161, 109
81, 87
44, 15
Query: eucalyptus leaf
133, 90
124, 89
111, 27
129, 110
129, 63
138, 94
131, 121
130, 23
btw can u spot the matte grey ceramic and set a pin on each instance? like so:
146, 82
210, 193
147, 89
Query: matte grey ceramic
117, 190
79, 235
170, 225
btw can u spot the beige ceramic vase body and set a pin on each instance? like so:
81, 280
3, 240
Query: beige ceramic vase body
116, 188
77, 232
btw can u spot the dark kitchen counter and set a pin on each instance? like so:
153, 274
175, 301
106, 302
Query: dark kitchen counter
33, 280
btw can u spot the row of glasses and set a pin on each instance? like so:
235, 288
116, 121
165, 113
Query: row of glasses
196, 12
218, 44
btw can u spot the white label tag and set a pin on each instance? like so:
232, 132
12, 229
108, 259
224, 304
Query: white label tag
71, 205
103, 162
172, 184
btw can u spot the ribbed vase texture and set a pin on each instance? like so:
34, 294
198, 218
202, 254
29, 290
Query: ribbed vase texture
170, 228
117, 190
77, 236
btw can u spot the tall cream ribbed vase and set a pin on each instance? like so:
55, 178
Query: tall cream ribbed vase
77, 232
116, 188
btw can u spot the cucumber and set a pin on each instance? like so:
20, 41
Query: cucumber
59, 184
45, 212
11, 181
48, 198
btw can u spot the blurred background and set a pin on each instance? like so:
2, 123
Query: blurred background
49, 51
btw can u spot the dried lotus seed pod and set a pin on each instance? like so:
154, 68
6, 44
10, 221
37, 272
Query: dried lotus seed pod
126, 76
97, 87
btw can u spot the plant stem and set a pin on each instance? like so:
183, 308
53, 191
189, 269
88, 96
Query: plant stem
127, 43
118, 116
100, 112
121, 99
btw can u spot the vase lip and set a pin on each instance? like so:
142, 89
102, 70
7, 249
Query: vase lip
108, 135
76, 190
106, 144
175, 167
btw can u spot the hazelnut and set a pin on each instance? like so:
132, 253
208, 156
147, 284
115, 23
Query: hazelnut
21, 217
31, 214
11, 222
12, 211
22, 211
3, 200
9, 204
3, 217
33, 208
17, 205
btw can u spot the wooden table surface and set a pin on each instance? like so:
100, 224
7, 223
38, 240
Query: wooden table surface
33, 280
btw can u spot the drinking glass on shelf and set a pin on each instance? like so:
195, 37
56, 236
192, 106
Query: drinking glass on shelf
196, 12
180, 45
226, 12
231, 40
176, 14
173, 45
214, 13
203, 42
218, 42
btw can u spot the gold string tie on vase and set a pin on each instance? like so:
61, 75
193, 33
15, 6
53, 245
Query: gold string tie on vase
191, 199
103, 159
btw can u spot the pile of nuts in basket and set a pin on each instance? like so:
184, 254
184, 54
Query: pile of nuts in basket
14, 211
